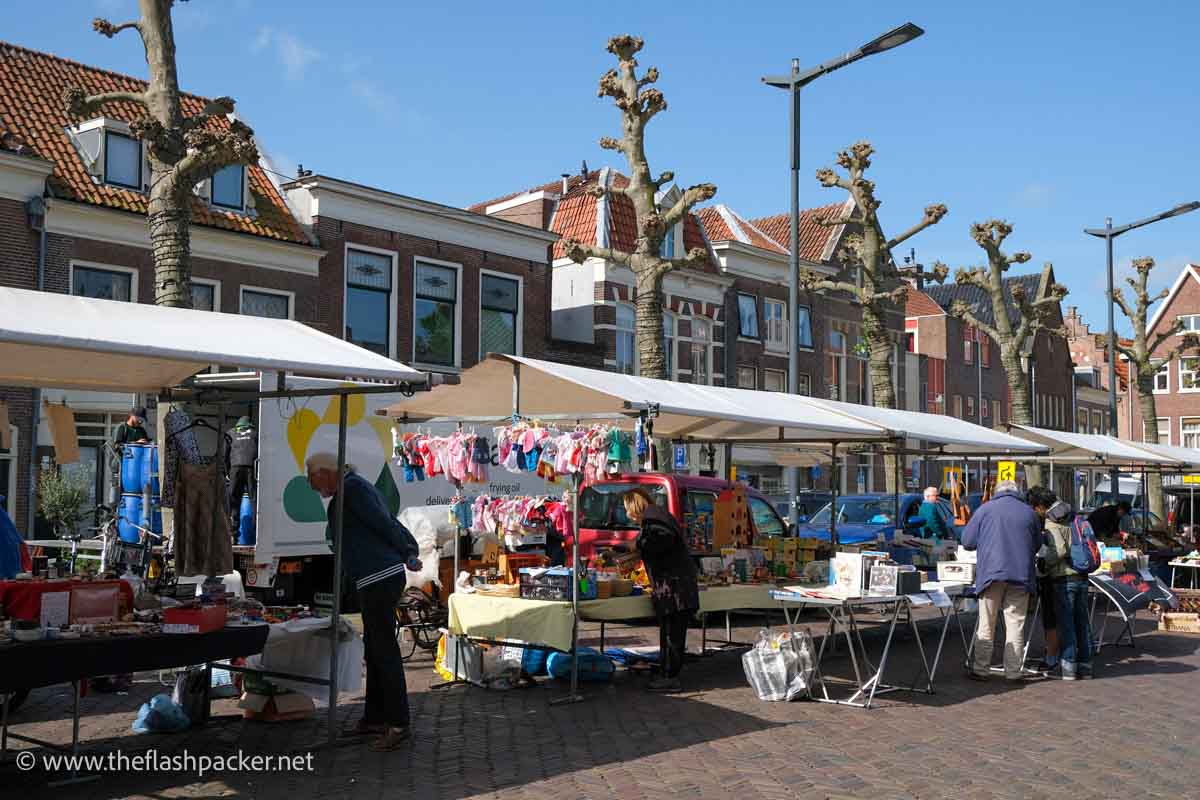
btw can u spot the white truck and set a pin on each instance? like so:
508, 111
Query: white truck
290, 561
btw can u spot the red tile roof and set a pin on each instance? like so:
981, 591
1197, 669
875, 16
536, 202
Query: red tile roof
32, 112
716, 220
814, 238
920, 304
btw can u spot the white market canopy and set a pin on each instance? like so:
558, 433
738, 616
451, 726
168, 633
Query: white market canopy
53, 340
1187, 456
1091, 448
686, 411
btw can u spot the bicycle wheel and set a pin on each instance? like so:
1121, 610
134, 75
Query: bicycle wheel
404, 623
427, 631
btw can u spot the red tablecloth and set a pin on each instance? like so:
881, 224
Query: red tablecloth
23, 599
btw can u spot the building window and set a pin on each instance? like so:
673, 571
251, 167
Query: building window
804, 384
1098, 423
969, 345
122, 160
910, 342
775, 380
669, 343
1190, 323
985, 350
747, 316
1189, 374
263, 303
1081, 421
804, 327
1164, 432
103, 284
204, 295
369, 300
776, 323
996, 412
1162, 378
1190, 430
228, 187
970, 406
747, 378
958, 406
436, 315
626, 325
983, 409
667, 248
499, 314
701, 351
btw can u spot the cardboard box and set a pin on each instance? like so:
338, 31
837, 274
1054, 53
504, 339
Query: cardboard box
202, 619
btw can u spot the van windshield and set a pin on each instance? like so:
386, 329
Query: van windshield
601, 506
859, 511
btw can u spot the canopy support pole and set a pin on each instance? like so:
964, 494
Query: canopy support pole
899, 524
574, 696
335, 616
834, 478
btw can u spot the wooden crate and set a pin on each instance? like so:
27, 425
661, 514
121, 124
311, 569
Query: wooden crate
1179, 623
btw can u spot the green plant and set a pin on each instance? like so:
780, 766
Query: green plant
61, 499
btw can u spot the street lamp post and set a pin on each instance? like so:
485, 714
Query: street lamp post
1108, 233
794, 82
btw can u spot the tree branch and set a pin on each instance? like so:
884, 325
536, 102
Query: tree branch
209, 151
962, 311
933, 215
1118, 297
580, 252
106, 28
691, 196
80, 105
1164, 336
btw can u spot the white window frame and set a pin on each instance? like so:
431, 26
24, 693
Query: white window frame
13, 455
618, 331
1195, 373
216, 290
808, 348
969, 406
133, 283
457, 313
780, 374
245, 190
393, 310
291, 296
96, 165
519, 322
775, 345
708, 349
803, 384
1098, 426
1183, 433
983, 408
1164, 425
1186, 330
958, 406
753, 370
670, 347
1164, 371
969, 346
741, 336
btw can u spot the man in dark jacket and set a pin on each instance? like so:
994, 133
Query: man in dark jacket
673, 587
1106, 522
376, 548
1006, 535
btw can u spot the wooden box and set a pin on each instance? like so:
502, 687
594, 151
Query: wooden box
1179, 622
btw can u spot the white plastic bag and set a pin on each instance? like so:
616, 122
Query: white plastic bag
301, 647
780, 666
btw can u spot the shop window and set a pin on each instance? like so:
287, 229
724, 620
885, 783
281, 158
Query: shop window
626, 352
435, 335
101, 283
775, 321
369, 300
747, 378
775, 380
804, 327
229, 186
499, 314
264, 303
747, 316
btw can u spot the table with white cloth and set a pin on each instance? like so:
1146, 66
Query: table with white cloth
1191, 568
869, 677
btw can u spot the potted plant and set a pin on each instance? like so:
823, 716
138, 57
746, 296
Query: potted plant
61, 499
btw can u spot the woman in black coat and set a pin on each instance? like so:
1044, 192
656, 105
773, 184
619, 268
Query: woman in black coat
673, 587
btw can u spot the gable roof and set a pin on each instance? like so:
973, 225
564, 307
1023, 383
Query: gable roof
723, 224
919, 304
815, 239
33, 114
1189, 270
977, 298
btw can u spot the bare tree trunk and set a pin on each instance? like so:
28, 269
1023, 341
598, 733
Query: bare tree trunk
1022, 406
170, 242
1149, 407
652, 361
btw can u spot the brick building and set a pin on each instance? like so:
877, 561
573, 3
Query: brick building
84, 184
1089, 353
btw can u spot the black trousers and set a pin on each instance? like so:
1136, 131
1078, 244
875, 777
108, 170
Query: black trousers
672, 641
242, 482
387, 693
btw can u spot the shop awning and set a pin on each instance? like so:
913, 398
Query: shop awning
1187, 456
1090, 448
53, 340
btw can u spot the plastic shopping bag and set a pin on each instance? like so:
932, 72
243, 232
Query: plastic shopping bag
780, 666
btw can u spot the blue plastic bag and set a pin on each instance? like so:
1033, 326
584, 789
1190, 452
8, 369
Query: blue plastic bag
160, 715
593, 666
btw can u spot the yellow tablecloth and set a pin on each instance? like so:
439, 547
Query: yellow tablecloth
511, 618
715, 598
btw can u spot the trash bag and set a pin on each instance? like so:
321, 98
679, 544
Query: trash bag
780, 666
189, 693
160, 715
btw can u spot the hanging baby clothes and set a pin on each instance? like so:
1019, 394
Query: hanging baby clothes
481, 457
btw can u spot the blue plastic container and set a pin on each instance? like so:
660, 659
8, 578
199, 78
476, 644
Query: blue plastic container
150, 468
246, 533
533, 661
593, 665
132, 514
139, 466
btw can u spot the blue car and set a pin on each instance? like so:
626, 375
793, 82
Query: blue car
869, 517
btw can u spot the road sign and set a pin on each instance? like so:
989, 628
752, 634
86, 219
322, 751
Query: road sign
1006, 471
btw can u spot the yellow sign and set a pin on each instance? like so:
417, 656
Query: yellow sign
1191, 478
1006, 471
950, 476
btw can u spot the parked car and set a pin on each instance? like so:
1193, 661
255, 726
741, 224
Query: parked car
809, 503
688, 498
1179, 519
869, 517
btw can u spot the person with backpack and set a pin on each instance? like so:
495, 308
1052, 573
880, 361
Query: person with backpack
1041, 499
1071, 556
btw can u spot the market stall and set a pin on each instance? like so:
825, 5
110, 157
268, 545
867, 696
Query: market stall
59, 341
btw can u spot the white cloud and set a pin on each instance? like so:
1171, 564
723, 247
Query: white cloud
1036, 195
293, 54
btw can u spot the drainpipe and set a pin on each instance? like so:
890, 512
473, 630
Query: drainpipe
35, 208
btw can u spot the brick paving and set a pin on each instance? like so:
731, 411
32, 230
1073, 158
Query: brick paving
1128, 732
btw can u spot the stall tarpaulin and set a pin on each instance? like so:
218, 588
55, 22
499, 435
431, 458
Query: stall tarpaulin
61, 420
1089, 448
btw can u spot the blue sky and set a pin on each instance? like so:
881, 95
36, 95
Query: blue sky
1051, 115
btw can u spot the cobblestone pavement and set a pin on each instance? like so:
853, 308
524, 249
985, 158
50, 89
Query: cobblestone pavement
1131, 731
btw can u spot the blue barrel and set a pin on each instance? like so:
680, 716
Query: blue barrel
246, 533
132, 514
150, 468
139, 466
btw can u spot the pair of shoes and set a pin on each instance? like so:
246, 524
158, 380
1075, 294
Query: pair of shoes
1045, 667
978, 676
391, 739
664, 685
364, 728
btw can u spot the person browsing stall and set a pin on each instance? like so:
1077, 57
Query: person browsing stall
1006, 535
133, 429
1070, 593
376, 548
673, 586
935, 523
1040, 500
1106, 521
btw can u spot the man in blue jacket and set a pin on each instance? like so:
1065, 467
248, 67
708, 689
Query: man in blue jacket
376, 548
1006, 535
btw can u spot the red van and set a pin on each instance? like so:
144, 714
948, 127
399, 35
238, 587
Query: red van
688, 498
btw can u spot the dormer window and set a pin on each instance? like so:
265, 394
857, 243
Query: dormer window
228, 187
122, 160
111, 154
667, 248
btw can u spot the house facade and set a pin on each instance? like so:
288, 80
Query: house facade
1089, 353
73, 197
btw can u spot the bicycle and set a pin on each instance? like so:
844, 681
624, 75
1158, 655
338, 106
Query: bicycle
423, 616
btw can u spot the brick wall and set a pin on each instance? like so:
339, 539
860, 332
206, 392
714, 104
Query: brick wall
335, 235
1174, 405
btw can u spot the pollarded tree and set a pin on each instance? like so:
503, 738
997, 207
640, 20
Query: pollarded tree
1034, 314
182, 150
1145, 358
880, 289
638, 105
